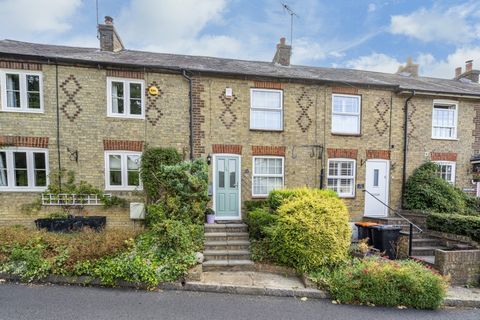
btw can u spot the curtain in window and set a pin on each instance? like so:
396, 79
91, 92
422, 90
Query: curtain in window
3, 169
13, 90
117, 97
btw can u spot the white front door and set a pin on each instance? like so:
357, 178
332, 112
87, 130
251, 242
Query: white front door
376, 182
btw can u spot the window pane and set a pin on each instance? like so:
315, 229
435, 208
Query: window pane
117, 97
133, 162
133, 178
135, 106
375, 177
115, 178
342, 104
333, 168
135, 90
221, 173
345, 123
40, 178
39, 160
13, 90
266, 99
267, 120
33, 83
232, 168
33, 100
39, 169
260, 185
33, 91
3, 170
135, 98
133, 165
21, 174
115, 163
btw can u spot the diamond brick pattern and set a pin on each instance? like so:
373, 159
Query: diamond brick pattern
411, 125
70, 108
153, 112
228, 117
304, 103
381, 124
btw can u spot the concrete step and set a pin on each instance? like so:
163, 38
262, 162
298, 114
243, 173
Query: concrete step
221, 236
226, 255
425, 251
426, 242
416, 234
226, 227
228, 265
227, 245
426, 260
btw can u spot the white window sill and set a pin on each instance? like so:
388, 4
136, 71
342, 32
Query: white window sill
448, 139
261, 129
120, 116
23, 189
124, 189
15, 110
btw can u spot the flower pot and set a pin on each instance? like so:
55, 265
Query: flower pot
210, 218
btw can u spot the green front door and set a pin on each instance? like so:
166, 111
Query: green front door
227, 187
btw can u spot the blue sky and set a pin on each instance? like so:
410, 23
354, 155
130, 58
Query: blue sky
374, 35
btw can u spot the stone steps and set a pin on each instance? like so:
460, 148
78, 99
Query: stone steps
425, 251
227, 248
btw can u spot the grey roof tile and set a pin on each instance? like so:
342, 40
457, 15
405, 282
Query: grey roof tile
237, 67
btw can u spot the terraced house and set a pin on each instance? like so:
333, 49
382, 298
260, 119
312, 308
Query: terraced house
260, 125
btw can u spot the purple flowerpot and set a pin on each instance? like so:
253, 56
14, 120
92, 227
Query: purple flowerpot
210, 218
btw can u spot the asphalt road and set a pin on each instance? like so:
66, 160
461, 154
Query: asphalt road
77, 303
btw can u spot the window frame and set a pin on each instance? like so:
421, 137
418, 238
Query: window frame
123, 169
252, 90
453, 164
23, 91
30, 170
126, 98
359, 114
450, 103
353, 176
266, 175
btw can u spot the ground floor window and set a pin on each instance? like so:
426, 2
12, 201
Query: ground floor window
122, 170
341, 177
23, 169
446, 170
268, 174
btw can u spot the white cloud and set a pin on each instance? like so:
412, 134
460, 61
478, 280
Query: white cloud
371, 7
173, 26
454, 25
26, 20
430, 66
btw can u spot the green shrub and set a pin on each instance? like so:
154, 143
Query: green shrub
455, 223
277, 197
257, 221
152, 160
388, 283
184, 192
311, 230
425, 190
254, 204
27, 262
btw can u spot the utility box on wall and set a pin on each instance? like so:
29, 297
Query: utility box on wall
137, 211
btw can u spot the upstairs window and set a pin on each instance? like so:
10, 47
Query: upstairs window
341, 177
21, 91
125, 98
444, 120
122, 170
23, 169
446, 170
346, 114
266, 110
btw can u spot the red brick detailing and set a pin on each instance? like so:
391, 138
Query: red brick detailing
378, 154
123, 145
268, 151
198, 118
227, 148
268, 85
443, 156
125, 74
345, 90
342, 153
18, 141
476, 131
20, 65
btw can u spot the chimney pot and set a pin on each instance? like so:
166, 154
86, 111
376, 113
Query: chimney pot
458, 72
282, 40
283, 54
108, 20
468, 65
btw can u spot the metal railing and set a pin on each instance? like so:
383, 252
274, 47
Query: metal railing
411, 224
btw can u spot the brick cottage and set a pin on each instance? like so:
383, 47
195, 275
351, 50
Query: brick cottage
261, 125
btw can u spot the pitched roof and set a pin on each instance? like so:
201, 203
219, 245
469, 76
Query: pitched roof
135, 58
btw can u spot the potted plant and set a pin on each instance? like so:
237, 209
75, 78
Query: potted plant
210, 214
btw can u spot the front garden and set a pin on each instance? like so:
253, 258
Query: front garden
308, 230
176, 197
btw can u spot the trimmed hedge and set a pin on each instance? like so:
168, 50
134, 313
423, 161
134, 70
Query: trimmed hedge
257, 220
455, 223
389, 283
311, 229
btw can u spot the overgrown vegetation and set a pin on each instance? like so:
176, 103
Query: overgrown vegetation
426, 191
301, 228
456, 224
384, 282
163, 252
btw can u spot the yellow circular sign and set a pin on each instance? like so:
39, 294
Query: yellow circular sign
153, 90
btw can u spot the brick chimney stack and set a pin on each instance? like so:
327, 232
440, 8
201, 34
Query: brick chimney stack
283, 54
470, 73
409, 68
108, 36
